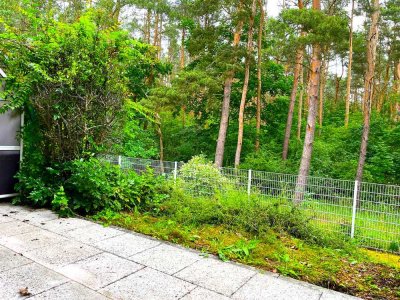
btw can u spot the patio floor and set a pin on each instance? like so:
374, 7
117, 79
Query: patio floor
77, 259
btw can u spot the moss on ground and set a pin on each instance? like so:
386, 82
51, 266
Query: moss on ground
362, 273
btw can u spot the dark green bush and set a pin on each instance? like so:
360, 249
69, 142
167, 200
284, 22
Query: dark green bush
89, 186
95, 185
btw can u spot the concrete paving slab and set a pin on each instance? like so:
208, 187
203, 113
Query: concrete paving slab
100, 270
61, 254
33, 276
32, 240
62, 225
69, 291
332, 295
9, 259
265, 286
8, 208
224, 278
148, 284
4, 218
93, 233
15, 228
52, 247
166, 258
203, 294
126, 245
36, 217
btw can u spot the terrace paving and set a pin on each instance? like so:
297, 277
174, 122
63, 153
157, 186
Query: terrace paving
78, 259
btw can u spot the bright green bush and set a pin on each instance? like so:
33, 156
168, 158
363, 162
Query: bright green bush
200, 177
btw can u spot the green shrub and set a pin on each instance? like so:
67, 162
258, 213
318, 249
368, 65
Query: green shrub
236, 210
95, 185
37, 188
201, 178
89, 186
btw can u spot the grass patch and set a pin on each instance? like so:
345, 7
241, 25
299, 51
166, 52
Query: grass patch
376, 226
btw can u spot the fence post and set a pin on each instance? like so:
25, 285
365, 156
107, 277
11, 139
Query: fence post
249, 184
353, 216
120, 161
175, 170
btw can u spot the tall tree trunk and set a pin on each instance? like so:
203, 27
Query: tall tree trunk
159, 42
148, 26
223, 128
156, 25
311, 119
182, 66
300, 109
396, 86
349, 68
259, 79
383, 92
246, 83
324, 73
182, 49
117, 10
296, 76
368, 85
337, 87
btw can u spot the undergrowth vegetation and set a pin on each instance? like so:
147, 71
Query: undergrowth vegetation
87, 187
271, 234
273, 246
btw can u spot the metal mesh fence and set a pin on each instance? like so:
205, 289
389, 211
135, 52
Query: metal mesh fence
368, 212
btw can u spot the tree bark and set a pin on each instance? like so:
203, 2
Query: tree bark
296, 75
259, 79
245, 84
117, 10
368, 85
182, 49
148, 26
311, 119
324, 73
156, 24
396, 116
223, 128
300, 109
159, 42
349, 68
383, 92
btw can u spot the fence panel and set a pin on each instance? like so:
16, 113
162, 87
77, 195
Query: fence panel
368, 212
378, 216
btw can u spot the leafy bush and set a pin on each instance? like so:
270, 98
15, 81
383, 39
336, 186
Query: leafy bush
95, 185
89, 186
200, 177
60, 203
